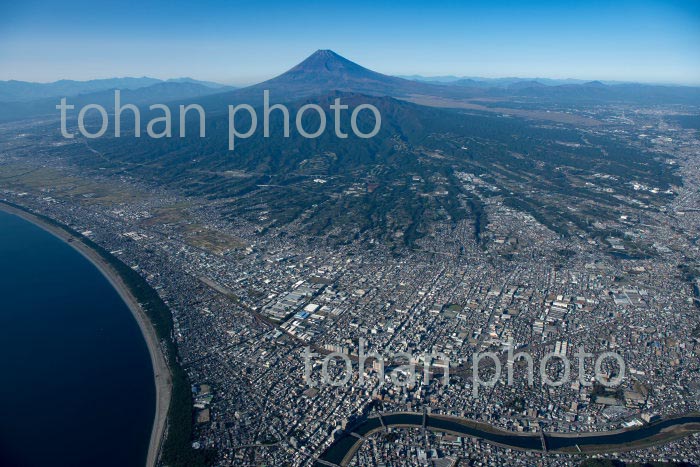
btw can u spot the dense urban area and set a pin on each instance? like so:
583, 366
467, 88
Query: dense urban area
252, 296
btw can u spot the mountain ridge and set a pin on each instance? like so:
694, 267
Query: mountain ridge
325, 71
25, 91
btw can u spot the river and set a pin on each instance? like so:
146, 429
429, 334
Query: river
608, 441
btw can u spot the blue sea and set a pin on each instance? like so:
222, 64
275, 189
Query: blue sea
76, 380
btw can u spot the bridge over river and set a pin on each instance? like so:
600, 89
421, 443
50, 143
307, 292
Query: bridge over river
341, 452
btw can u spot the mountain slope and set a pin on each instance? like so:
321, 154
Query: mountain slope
326, 71
322, 72
416, 174
426, 169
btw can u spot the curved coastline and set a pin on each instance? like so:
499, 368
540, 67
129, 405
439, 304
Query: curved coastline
161, 370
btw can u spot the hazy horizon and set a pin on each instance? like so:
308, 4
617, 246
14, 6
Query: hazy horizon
427, 75
648, 41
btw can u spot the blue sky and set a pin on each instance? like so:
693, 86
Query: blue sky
247, 42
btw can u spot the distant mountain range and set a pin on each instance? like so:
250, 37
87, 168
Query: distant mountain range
325, 71
24, 91
20, 99
493, 82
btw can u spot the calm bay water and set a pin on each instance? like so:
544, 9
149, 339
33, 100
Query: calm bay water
76, 380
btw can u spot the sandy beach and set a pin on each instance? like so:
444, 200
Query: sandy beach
162, 376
